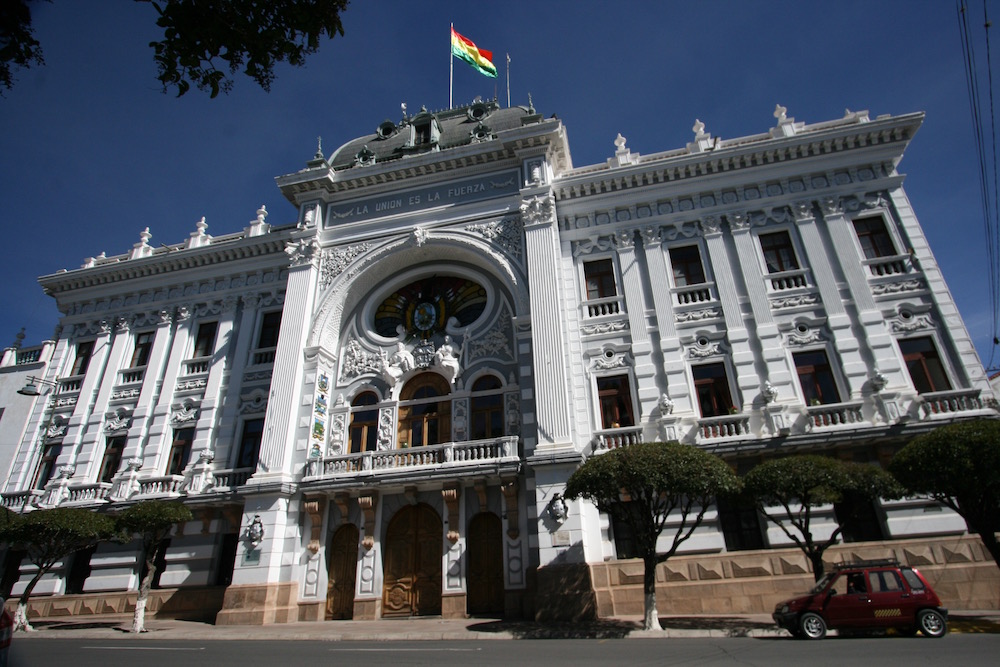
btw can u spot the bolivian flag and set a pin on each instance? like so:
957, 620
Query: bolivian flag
481, 59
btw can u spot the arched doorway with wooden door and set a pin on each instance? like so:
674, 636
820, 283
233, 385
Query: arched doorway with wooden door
485, 565
413, 563
342, 568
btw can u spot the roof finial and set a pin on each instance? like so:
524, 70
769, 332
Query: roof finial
319, 148
402, 108
531, 105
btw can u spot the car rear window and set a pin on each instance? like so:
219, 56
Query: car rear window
912, 579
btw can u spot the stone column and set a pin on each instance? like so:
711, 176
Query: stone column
238, 353
205, 431
635, 307
143, 418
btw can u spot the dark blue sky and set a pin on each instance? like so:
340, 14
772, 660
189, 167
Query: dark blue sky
93, 152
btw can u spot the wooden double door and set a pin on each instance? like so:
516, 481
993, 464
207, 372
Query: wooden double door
413, 551
342, 571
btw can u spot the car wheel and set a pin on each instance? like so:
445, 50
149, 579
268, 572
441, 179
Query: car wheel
932, 623
812, 626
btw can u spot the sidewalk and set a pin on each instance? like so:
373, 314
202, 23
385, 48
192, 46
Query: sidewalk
430, 629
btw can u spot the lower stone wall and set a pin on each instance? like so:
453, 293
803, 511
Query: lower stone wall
959, 568
259, 604
197, 604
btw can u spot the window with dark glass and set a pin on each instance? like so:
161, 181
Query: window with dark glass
425, 411
204, 342
180, 450
79, 570
615, 396
874, 237
686, 264
861, 519
82, 360
741, 524
486, 408
819, 386
779, 253
46, 465
600, 279
711, 385
270, 326
253, 433
924, 364
364, 423
112, 458
143, 345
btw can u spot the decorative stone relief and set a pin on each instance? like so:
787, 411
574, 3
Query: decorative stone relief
338, 427
509, 490
460, 419
386, 424
184, 414
495, 343
704, 347
512, 408
710, 225
906, 321
367, 503
357, 361
608, 358
506, 233
597, 244
118, 422
538, 210
804, 334
254, 402
698, 315
302, 252
899, 287
604, 328
450, 496
778, 303
313, 506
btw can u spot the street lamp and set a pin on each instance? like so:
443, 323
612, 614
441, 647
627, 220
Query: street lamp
31, 387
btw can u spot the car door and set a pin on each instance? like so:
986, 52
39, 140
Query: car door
891, 602
849, 607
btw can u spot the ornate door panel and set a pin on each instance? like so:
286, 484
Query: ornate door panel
485, 565
413, 563
342, 570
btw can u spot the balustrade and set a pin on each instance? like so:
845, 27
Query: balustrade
607, 306
614, 438
787, 280
948, 402
717, 428
835, 414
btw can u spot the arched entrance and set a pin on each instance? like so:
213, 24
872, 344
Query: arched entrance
485, 567
342, 568
413, 563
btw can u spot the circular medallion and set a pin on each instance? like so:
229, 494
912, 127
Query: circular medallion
424, 316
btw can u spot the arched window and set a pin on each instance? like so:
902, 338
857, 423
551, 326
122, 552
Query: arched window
364, 423
487, 408
424, 411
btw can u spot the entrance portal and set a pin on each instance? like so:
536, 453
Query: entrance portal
342, 569
485, 571
413, 563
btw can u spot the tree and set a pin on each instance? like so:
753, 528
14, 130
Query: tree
48, 536
153, 521
644, 485
202, 39
800, 484
958, 465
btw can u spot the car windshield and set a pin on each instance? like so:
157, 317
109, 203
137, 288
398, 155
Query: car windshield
823, 583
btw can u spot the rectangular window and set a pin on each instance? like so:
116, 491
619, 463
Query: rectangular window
180, 450
686, 264
82, 360
874, 237
47, 465
819, 386
615, 397
143, 345
600, 279
779, 253
711, 384
924, 364
269, 327
204, 343
112, 458
253, 433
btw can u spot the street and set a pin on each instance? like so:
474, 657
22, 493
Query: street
955, 649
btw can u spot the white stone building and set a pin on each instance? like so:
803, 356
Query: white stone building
373, 409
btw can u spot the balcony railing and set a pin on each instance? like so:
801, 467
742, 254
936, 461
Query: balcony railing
167, 485
264, 356
131, 375
197, 366
231, 478
18, 499
606, 306
949, 402
689, 294
719, 428
613, 438
835, 414
787, 280
88, 493
69, 385
889, 266
451, 455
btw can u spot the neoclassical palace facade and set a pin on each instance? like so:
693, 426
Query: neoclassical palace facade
373, 409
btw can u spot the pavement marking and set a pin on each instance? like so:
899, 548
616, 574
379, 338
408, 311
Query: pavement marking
142, 648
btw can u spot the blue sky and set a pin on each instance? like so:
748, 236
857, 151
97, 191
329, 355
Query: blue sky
93, 152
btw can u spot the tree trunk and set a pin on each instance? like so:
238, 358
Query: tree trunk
816, 558
21, 623
651, 619
139, 617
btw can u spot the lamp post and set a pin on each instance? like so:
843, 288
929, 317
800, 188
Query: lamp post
31, 386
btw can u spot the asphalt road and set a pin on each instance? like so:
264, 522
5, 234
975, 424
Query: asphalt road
954, 649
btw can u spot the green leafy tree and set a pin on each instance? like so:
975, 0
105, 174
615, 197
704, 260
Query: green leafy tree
49, 536
644, 485
959, 466
152, 521
800, 484
204, 41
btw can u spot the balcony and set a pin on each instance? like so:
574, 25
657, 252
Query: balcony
197, 366
787, 280
228, 479
889, 266
87, 494
602, 307
835, 414
264, 356
613, 438
449, 460
947, 403
693, 294
711, 429
131, 376
21, 499
169, 486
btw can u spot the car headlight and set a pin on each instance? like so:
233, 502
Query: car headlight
784, 609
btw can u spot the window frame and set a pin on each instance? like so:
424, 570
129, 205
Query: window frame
610, 401
611, 272
180, 450
486, 409
724, 382
82, 362
266, 326
674, 265
47, 463
204, 344
815, 395
908, 357
884, 234
142, 349
246, 442
111, 459
431, 413
791, 246
367, 430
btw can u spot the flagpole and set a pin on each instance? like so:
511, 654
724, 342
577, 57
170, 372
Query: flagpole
508, 80
451, 68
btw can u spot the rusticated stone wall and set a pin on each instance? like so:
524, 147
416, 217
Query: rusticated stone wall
743, 582
200, 604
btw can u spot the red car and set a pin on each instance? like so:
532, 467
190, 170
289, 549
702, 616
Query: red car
865, 595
